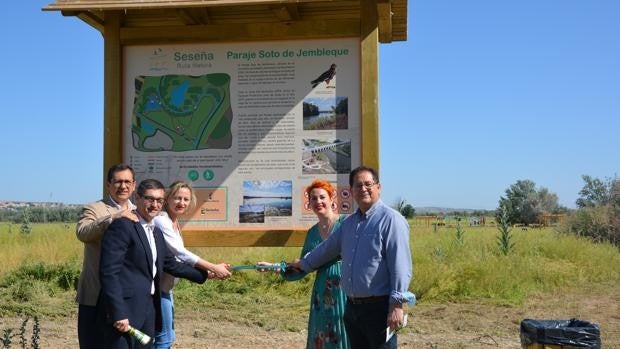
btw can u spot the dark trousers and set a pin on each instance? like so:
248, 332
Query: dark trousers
90, 329
366, 324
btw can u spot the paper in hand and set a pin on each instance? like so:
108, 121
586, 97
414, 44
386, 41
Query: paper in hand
388, 331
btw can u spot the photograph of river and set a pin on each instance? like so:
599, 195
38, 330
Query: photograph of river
275, 197
326, 113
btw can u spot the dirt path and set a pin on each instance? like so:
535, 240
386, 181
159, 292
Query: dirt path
436, 326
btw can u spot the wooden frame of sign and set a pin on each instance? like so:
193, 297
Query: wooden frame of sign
185, 21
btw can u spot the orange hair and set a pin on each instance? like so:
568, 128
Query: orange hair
322, 184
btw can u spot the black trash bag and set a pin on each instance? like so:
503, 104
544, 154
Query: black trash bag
577, 333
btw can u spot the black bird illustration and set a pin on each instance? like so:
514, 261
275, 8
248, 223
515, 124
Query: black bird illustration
326, 76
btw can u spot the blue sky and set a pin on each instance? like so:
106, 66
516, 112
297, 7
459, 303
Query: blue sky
482, 94
267, 188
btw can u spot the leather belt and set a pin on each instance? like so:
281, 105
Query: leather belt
367, 300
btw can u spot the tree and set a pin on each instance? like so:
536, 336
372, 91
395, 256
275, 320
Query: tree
404, 208
310, 109
343, 106
399, 203
525, 204
41, 214
408, 211
25, 228
598, 216
595, 192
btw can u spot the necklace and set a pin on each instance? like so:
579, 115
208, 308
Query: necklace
325, 228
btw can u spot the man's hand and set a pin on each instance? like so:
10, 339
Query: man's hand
294, 265
121, 325
130, 214
395, 316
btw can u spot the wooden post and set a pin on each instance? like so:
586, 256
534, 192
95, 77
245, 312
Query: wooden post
369, 51
112, 91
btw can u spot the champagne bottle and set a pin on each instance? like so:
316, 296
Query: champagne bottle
140, 336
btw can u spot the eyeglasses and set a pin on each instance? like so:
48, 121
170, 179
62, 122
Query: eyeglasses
367, 185
153, 200
120, 182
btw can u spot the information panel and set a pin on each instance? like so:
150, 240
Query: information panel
248, 125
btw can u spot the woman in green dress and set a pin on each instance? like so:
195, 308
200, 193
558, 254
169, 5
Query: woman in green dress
325, 325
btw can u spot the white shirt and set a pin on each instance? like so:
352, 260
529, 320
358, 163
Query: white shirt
148, 229
174, 242
130, 204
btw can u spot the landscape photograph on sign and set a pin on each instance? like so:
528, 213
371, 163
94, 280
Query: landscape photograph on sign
252, 214
326, 113
276, 196
326, 156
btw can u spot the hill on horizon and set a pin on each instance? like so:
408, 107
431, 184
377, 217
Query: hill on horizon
445, 210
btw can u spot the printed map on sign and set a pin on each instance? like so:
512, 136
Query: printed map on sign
182, 112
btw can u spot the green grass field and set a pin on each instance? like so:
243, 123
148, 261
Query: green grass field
38, 272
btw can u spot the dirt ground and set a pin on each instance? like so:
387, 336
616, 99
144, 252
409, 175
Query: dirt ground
435, 326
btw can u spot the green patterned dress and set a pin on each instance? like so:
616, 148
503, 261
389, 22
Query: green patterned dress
325, 325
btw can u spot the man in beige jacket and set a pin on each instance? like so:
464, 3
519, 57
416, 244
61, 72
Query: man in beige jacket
94, 220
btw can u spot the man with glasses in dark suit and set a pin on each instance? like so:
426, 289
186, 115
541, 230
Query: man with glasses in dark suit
133, 258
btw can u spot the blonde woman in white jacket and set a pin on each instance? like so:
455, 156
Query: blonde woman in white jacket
179, 200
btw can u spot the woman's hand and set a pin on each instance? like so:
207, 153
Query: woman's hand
267, 264
220, 271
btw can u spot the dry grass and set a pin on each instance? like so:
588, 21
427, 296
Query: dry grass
453, 282
53, 243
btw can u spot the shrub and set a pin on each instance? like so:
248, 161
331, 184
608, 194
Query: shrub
38, 288
408, 211
7, 334
404, 208
35, 338
504, 240
63, 275
599, 223
25, 228
459, 235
